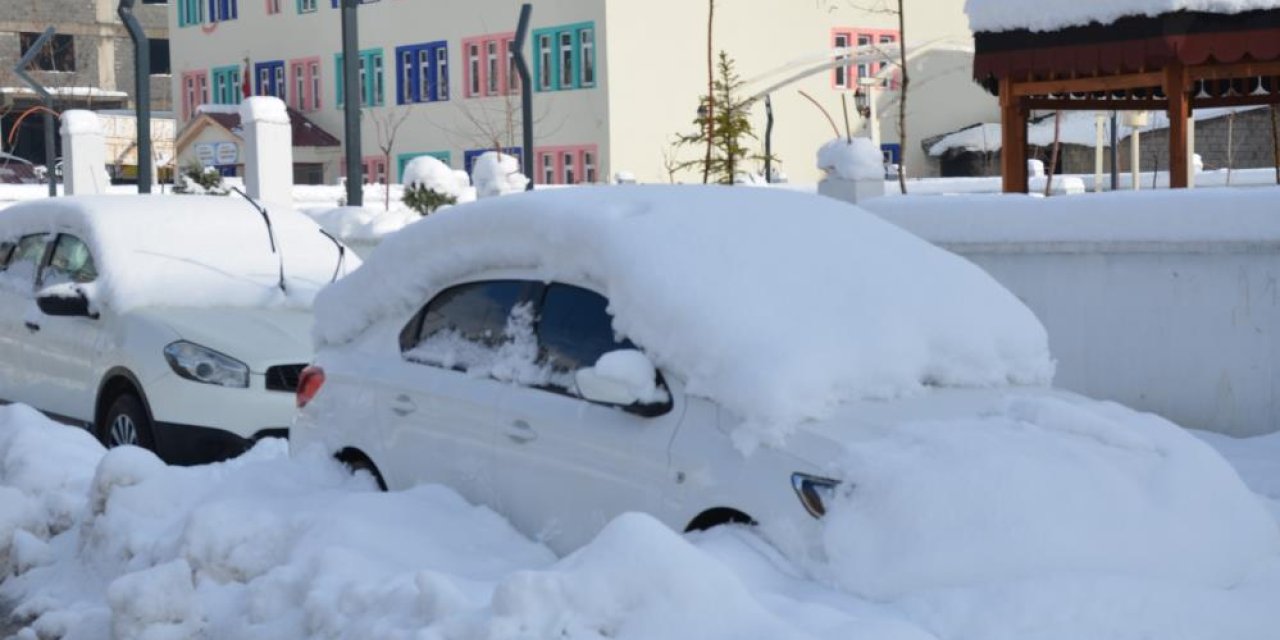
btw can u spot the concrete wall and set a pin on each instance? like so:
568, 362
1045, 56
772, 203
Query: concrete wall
1168, 303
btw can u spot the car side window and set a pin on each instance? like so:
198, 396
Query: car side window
25, 259
482, 328
575, 328
71, 262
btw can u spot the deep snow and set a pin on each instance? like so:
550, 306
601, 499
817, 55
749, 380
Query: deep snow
268, 546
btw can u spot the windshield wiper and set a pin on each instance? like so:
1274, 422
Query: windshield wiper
271, 235
342, 253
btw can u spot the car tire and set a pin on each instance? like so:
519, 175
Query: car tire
127, 423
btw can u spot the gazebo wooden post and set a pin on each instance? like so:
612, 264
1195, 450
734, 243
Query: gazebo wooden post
1177, 92
1013, 133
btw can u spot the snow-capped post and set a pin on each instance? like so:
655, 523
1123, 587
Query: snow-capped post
268, 139
84, 153
854, 170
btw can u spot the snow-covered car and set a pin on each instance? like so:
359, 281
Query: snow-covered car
714, 355
178, 323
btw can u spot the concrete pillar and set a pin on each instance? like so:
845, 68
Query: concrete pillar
84, 154
268, 153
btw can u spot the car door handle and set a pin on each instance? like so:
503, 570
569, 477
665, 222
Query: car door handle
520, 432
32, 327
403, 405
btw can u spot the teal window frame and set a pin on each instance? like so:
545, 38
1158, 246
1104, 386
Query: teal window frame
373, 92
403, 159
190, 12
556, 71
232, 74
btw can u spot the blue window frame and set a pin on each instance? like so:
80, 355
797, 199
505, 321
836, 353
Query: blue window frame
269, 78
223, 10
564, 57
469, 156
422, 72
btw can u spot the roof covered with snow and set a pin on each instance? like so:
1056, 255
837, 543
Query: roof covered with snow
1008, 15
778, 305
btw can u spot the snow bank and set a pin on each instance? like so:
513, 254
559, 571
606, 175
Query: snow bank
778, 305
496, 174
189, 251
1006, 15
855, 159
437, 176
1042, 486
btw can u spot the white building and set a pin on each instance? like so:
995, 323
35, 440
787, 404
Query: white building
615, 80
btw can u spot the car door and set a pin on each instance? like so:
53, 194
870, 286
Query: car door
437, 399
566, 466
18, 373
67, 348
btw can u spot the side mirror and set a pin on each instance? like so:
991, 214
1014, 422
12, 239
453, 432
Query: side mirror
626, 378
64, 300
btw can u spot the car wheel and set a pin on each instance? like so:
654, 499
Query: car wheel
127, 423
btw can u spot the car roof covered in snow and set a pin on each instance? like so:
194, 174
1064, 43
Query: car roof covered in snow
188, 251
778, 305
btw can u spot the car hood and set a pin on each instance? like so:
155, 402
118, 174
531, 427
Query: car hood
823, 442
260, 338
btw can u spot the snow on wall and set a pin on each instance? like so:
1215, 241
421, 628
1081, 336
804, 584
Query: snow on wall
778, 305
1006, 15
1164, 301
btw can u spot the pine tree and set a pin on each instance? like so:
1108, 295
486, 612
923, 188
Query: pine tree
731, 127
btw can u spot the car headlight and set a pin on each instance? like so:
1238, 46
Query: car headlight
814, 492
202, 364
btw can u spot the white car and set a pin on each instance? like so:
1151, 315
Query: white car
705, 355
178, 323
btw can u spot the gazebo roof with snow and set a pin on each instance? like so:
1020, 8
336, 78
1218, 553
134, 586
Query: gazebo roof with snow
1123, 55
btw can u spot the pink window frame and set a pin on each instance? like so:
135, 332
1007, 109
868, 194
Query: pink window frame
306, 101
188, 107
579, 152
851, 70
481, 43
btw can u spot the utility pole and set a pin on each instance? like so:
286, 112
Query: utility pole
21, 70
142, 91
351, 108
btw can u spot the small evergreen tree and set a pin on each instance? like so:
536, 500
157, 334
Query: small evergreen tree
424, 199
198, 180
731, 128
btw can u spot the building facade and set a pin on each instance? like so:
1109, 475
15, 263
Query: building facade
614, 81
89, 64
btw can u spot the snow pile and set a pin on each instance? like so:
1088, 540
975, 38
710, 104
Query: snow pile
433, 174
1007, 15
776, 304
497, 174
853, 159
189, 251
1042, 486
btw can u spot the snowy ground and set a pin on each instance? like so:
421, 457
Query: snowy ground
99, 545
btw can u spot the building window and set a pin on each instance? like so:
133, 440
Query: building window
158, 48
223, 10
58, 54
195, 92
574, 164
270, 78
273, 7
226, 85
306, 6
190, 12
370, 78
421, 68
572, 64
846, 76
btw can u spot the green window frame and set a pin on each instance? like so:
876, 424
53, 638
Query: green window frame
555, 77
403, 159
372, 92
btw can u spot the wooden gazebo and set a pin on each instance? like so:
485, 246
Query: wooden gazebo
1174, 62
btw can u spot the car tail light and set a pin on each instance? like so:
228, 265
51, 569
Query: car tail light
309, 385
